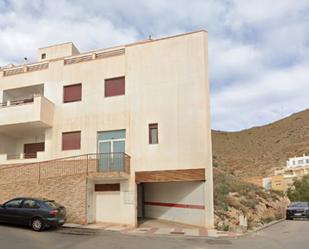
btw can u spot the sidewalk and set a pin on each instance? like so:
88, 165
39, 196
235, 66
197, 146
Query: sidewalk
191, 232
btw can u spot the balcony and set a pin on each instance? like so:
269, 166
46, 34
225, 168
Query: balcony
36, 112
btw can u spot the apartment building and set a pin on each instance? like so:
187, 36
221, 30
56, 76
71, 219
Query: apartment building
115, 134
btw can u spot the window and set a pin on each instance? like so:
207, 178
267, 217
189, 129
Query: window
153, 134
71, 140
107, 187
43, 56
30, 204
52, 204
114, 87
72, 93
13, 203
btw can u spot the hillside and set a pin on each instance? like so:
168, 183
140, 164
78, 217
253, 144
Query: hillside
233, 198
260, 150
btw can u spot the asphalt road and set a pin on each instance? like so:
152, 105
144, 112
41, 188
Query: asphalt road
285, 235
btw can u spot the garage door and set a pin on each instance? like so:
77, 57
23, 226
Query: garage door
108, 205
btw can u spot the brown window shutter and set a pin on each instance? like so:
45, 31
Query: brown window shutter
114, 87
71, 140
107, 187
72, 93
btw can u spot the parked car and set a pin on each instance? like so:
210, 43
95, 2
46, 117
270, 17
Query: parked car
36, 213
297, 210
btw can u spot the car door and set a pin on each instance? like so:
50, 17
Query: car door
2, 214
29, 209
10, 211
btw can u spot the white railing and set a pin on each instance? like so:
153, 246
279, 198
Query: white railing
25, 69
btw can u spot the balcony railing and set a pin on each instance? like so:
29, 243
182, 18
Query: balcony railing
96, 165
108, 162
16, 102
24, 69
21, 156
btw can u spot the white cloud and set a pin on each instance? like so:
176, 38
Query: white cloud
258, 49
273, 96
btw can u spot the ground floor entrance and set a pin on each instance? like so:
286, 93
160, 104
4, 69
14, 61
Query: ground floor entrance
125, 201
110, 201
107, 202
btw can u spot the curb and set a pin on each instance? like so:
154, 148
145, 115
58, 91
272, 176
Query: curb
248, 233
268, 225
79, 228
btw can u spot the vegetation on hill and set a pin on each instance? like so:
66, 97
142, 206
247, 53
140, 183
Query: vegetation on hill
234, 198
300, 190
260, 150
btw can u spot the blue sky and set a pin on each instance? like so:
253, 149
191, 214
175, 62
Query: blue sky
258, 49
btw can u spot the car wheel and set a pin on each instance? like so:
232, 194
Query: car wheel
37, 224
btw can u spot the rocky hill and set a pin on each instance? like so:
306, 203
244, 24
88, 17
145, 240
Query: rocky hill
259, 150
234, 198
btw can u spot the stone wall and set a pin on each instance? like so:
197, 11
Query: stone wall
44, 170
70, 191
64, 181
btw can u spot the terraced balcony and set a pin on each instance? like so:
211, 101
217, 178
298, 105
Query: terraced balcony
36, 112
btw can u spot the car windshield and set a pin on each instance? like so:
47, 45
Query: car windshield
299, 204
52, 204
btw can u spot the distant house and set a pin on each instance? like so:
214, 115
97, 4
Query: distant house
295, 162
296, 167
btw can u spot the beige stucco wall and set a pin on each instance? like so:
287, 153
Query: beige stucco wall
166, 83
57, 51
7, 144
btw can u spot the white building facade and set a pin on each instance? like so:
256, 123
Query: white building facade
294, 162
141, 110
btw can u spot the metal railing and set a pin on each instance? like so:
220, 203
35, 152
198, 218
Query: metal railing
21, 156
96, 164
112, 162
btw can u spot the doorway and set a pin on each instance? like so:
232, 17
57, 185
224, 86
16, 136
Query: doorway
111, 149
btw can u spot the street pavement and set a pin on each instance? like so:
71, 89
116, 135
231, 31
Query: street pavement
284, 235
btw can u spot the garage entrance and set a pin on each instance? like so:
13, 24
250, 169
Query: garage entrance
181, 202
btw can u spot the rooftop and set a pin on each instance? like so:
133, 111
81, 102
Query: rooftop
77, 54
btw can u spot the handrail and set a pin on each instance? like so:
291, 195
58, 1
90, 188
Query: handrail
86, 164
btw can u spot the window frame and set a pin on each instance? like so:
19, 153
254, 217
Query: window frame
72, 101
152, 126
21, 201
70, 132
